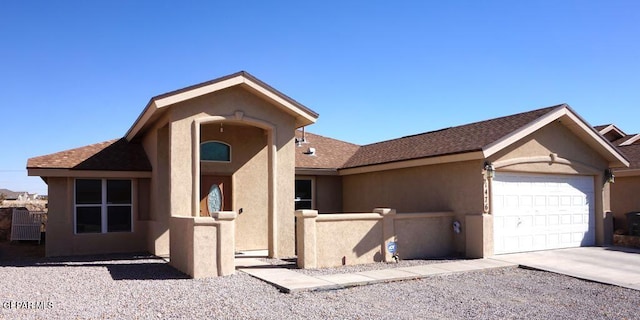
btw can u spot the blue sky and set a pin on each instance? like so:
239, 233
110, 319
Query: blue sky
75, 73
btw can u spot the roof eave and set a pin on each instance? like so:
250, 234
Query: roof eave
417, 162
65, 172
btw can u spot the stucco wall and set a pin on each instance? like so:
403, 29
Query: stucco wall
453, 187
227, 103
349, 242
625, 198
444, 187
61, 239
336, 239
249, 172
156, 145
553, 138
328, 194
423, 237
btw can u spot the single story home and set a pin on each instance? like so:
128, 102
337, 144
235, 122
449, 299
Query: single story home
530, 181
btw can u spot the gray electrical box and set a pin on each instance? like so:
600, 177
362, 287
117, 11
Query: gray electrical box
633, 223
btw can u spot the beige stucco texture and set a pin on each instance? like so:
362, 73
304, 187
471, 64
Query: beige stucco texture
455, 187
625, 198
205, 245
330, 240
61, 237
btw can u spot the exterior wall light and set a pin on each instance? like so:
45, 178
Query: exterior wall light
490, 170
609, 176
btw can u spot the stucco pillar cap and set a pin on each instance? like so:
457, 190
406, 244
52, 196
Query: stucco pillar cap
224, 215
306, 213
384, 211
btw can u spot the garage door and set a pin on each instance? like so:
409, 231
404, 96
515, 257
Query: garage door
539, 212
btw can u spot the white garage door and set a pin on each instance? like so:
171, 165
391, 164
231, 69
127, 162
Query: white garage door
539, 212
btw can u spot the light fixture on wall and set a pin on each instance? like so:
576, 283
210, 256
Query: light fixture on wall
489, 170
609, 176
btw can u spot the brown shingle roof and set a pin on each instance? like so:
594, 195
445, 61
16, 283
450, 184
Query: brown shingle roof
619, 141
113, 155
330, 153
454, 140
632, 152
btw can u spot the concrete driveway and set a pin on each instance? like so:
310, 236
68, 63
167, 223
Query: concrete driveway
612, 265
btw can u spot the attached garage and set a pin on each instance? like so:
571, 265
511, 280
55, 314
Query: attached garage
539, 212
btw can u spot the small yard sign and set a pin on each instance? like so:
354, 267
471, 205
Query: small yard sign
392, 247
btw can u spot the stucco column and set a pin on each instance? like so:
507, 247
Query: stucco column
478, 229
306, 238
193, 246
226, 242
388, 231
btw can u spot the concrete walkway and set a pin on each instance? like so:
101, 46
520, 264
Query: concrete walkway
289, 281
611, 265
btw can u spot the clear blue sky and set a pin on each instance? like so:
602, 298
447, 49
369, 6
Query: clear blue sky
74, 73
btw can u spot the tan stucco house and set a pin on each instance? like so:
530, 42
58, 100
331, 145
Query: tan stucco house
229, 159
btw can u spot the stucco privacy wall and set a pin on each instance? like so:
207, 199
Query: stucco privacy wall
625, 198
455, 187
532, 154
330, 240
61, 238
228, 103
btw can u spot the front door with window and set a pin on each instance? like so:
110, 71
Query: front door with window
215, 194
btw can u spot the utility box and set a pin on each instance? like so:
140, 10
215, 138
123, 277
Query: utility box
633, 223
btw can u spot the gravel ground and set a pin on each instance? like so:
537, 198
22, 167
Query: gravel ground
290, 263
123, 287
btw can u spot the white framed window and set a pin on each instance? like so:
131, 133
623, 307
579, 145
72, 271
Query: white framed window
215, 151
103, 205
304, 191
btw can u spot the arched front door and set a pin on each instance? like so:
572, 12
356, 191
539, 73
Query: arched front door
215, 194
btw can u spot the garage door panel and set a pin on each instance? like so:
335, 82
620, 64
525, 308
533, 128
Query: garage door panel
537, 212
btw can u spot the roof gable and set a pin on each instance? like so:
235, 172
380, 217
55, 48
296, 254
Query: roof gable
630, 140
610, 132
158, 104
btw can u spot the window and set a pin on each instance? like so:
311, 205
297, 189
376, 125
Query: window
304, 194
215, 151
103, 205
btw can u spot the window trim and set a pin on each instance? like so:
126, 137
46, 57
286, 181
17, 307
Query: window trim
313, 191
104, 206
216, 161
